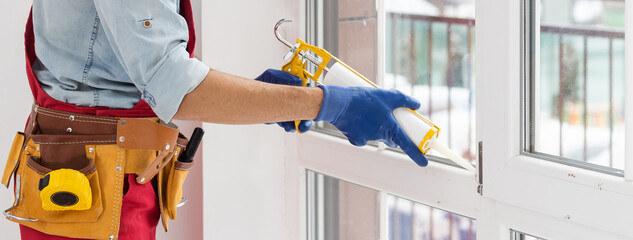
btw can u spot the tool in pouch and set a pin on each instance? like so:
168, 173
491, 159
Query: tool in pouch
192, 146
185, 159
65, 189
329, 70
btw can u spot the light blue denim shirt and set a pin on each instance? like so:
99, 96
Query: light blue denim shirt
104, 53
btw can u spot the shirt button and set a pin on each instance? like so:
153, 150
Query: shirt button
147, 24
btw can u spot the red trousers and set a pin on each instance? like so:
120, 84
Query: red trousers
139, 215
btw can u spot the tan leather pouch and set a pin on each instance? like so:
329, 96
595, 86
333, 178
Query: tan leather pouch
32, 203
29, 204
170, 181
13, 159
102, 166
174, 187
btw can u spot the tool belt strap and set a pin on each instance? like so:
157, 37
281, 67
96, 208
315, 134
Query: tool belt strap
137, 135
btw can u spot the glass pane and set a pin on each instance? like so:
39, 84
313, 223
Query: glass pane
414, 221
516, 235
430, 55
340, 210
350, 34
579, 108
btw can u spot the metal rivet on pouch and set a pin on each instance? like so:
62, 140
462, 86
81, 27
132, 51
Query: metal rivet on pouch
35, 110
91, 150
167, 147
37, 149
69, 130
121, 139
111, 237
142, 179
118, 168
71, 118
122, 122
26, 148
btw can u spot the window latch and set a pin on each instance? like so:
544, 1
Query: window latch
480, 167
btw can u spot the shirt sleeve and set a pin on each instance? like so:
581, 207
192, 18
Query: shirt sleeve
149, 39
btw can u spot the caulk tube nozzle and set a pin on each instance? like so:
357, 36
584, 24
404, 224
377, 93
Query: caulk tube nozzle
438, 146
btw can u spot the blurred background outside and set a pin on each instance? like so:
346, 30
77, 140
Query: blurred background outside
430, 55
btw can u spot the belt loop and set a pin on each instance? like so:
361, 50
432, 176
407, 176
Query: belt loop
152, 169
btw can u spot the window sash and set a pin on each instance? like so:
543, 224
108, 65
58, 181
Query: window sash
516, 179
530, 79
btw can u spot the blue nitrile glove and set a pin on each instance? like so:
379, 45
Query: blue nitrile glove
364, 114
280, 77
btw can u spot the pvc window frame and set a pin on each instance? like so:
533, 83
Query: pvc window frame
520, 192
579, 196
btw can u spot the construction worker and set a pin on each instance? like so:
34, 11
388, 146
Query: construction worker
103, 73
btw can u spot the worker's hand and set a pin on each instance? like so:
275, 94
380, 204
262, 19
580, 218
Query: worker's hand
284, 78
365, 114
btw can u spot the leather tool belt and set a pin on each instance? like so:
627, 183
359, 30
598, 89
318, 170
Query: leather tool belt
102, 148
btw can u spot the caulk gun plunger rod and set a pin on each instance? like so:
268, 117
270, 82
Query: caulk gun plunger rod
276, 30
305, 55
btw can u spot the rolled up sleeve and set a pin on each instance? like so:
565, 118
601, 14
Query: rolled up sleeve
149, 39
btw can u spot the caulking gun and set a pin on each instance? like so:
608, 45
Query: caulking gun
418, 128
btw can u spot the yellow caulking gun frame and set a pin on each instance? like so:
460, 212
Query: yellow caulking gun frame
302, 52
297, 66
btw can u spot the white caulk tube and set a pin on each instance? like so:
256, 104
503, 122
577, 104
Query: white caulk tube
419, 129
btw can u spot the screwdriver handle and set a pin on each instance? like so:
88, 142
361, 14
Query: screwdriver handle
192, 146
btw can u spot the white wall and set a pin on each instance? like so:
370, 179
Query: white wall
15, 94
244, 167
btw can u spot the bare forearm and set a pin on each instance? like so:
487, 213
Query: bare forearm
225, 98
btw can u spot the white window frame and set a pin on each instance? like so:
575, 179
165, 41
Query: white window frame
527, 194
567, 193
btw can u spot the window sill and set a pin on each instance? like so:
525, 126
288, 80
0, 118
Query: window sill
389, 171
